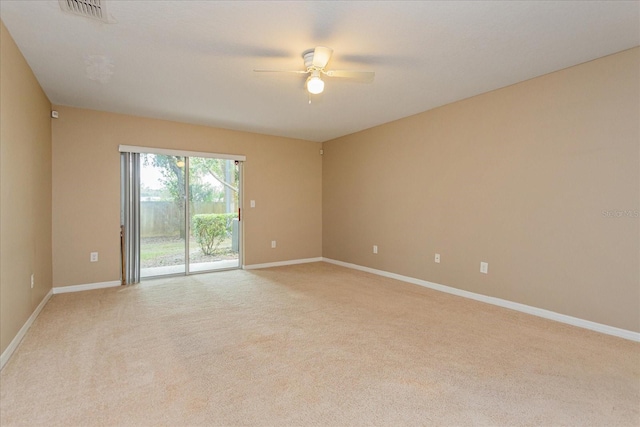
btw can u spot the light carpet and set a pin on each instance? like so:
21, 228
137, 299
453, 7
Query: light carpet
309, 345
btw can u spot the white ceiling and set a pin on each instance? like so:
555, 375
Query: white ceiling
192, 61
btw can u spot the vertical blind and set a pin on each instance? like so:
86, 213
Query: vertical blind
130, 215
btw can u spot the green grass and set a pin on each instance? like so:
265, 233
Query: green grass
152, 248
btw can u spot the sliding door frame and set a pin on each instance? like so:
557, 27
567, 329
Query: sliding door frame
130, 208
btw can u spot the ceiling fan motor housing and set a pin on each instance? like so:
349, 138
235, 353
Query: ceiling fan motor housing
307, 55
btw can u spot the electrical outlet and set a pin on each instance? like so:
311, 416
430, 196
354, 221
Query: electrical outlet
375, 249
93, 257
273, 244
437, 258
484, 267
33, 280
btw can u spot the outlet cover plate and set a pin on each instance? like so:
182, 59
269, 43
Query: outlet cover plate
484, 267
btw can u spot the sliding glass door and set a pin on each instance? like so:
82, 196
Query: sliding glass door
163, 231
214, 190
181, 213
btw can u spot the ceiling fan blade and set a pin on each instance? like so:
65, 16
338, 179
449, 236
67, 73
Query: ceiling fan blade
321, 56
281, 71
360, 75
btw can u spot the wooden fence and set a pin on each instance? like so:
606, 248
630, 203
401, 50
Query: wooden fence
163, 218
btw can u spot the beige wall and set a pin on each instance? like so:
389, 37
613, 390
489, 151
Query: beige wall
282, 175
25, 191
519, 178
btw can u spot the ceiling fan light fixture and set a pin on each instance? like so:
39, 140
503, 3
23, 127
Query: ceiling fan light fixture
315, 85
315, 63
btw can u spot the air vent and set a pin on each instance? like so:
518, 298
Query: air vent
94, 9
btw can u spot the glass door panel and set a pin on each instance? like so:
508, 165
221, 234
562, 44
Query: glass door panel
214, 187
162, 215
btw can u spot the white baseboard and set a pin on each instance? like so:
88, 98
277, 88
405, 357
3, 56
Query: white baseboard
282, 263
13, 345
586, 324
87, 287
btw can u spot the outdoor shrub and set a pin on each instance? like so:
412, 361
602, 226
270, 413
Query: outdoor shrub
211, 229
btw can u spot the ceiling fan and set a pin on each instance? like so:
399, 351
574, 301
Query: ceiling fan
315, 61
